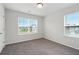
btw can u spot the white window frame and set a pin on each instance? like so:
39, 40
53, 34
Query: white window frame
27, 33
74, 36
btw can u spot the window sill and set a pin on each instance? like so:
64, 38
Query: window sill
72, 35
29, 33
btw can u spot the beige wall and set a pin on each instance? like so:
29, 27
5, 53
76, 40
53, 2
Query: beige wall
54, 27
12, 27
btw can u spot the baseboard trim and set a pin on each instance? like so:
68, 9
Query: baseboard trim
61, 43
21, 41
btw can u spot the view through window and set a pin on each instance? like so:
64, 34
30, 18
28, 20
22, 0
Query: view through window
27, 25
71, 24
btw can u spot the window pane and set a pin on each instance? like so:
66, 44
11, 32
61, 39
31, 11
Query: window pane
23, 23
72, 19
33, 25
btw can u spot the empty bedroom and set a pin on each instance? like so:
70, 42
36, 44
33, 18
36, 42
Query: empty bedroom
39, 28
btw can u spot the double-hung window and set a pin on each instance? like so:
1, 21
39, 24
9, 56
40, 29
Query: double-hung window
71, 24
27, 25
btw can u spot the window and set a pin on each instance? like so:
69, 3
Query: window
26, 25
71, 24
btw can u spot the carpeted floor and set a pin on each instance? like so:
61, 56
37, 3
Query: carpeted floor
38, 47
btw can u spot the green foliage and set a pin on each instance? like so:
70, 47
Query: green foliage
23, 29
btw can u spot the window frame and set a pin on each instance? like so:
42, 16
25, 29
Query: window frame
27, 33
72, 36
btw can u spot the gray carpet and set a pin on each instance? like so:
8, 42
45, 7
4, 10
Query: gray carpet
38, 47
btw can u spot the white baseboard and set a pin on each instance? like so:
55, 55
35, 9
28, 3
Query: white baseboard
60, 42
21, 41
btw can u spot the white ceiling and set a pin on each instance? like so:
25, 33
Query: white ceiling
31, 8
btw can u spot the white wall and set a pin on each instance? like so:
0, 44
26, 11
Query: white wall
12, 27
54, 27
2, 26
